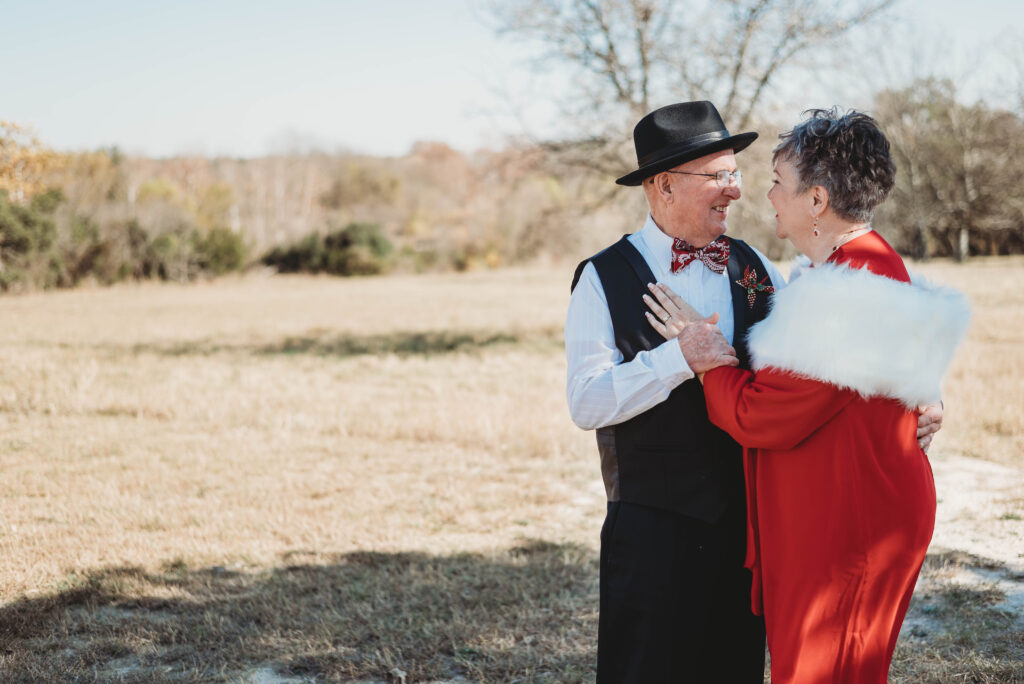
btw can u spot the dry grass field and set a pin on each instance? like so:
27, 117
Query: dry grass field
310, 479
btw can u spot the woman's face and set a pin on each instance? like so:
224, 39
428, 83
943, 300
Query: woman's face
793, 218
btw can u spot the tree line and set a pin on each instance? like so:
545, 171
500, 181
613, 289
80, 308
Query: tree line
103, 216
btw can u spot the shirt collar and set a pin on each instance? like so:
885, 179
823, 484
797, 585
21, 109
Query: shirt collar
657, 241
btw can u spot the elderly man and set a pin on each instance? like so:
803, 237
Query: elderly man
674, 595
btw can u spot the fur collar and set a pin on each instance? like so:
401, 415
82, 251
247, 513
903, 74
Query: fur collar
852, 328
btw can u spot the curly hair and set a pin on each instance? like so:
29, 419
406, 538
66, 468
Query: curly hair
846, 154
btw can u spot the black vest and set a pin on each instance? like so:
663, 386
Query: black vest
671, 456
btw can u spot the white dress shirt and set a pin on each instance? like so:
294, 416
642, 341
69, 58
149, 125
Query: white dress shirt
602, 390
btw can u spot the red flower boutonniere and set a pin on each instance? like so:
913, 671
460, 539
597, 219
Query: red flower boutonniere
749, 283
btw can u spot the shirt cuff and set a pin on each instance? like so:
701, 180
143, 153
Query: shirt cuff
669, 364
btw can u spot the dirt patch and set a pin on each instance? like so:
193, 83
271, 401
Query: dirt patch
966, 620
980, 509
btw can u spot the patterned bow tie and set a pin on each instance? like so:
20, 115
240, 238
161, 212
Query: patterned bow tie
714, 255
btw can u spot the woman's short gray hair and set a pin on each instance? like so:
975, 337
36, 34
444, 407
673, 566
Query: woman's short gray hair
846, 154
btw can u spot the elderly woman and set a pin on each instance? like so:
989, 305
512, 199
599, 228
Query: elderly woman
841, 501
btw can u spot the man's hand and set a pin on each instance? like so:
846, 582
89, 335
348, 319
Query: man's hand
928, 423
703, 345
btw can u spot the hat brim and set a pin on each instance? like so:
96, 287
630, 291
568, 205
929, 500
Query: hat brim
736, 142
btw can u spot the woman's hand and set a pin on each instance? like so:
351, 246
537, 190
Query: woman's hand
671, 313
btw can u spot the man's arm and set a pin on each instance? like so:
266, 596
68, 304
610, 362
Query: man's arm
928, 423
601, 389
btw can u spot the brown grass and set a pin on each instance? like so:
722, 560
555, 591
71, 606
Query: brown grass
959, 631
331, 478
985, 386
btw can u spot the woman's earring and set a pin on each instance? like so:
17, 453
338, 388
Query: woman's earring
816, 233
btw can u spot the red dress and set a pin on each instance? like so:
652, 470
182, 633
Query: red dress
841, 501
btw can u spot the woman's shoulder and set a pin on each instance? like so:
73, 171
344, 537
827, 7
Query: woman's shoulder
871, 251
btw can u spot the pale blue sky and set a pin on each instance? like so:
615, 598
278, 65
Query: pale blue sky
246, 78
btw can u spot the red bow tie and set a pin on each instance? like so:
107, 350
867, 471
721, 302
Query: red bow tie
714, 255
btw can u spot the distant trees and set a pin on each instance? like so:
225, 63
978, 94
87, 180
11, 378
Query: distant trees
104, 217
960, 180
65, 218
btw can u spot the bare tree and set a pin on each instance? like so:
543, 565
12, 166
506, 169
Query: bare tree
605, 63
626, 57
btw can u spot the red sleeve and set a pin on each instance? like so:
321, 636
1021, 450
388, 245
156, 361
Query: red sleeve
772, 409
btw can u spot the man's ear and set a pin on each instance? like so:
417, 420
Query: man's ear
662, 186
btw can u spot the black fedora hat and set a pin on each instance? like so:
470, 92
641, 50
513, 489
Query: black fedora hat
678, 133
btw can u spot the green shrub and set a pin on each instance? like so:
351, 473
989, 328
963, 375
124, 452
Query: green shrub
47, 201
356, 249
84, 253
46, 245
220, 251
28, 255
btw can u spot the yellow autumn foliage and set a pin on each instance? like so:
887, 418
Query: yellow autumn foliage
25, 162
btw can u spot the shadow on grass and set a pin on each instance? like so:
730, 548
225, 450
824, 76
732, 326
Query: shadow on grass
526, 614
403, 343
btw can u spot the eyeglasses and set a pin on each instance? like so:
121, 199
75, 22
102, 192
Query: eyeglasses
723, 178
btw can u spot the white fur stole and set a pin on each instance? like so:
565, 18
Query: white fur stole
854, 329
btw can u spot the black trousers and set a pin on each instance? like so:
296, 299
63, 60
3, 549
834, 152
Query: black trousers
675, 600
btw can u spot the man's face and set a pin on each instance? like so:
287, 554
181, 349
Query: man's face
700, 207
